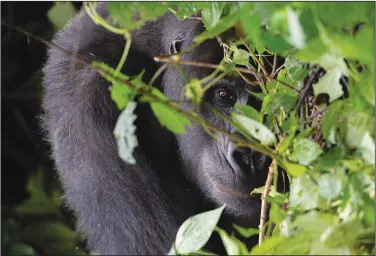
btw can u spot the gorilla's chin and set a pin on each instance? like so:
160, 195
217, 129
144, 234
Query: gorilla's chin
239, 200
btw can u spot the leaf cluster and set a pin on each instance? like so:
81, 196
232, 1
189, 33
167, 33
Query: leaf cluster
326, 147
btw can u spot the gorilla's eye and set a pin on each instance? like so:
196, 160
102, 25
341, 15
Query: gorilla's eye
227, 96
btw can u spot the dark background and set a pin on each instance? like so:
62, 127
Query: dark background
24, 152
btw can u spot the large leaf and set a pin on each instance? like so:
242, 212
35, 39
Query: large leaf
211, 14
330, 186
305, 151
255, 129
303, 193
196, 231
335, 67
224, 24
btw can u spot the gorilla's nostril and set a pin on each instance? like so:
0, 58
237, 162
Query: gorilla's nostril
241, 162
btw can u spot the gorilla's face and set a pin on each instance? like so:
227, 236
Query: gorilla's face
225, 173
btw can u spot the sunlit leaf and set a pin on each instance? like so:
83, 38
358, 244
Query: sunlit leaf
305, 151
329, 186
297, 37
196, 231
303, 193
256, 129
267, 246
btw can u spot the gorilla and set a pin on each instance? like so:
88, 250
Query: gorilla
137, 209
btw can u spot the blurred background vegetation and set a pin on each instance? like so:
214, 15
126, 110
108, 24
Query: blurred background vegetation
34, 222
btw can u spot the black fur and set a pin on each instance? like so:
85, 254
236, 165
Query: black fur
137, 209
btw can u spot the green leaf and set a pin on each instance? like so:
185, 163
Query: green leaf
342, 234
241, 57
329, 160
194, 91
196, 231
294, 169
124, 13
60, 14
277, 215
232, 245
305, 151
312, 51
295, 69
121, 94
319, 248
38, 203
248, 111
188, 9
367, 148
267, 246
53, 237
366, 87
295, 245
255, 129
21, 249
167, 116
125, 133
296, 33
224, 24
211, 14
246, 232
274, 101
329, 84
330, 186
330, 120
252, 28
303, 193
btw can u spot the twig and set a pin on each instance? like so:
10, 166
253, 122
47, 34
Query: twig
274, 68
264, 204
318, 112
305, 90
254, 55
214, 66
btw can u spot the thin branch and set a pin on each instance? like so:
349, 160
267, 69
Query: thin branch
214, 66
274, 68
264, 204
318, 112
305, 89
254, 55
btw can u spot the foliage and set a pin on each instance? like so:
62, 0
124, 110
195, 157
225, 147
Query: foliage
37, 226
326, 147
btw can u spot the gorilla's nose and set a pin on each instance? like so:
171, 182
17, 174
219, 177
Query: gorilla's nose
241, 161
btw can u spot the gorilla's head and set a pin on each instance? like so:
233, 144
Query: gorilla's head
225, 173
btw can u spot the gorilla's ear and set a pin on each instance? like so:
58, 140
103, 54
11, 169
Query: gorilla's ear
177, 44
